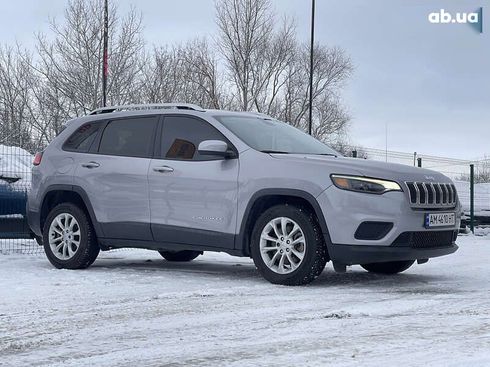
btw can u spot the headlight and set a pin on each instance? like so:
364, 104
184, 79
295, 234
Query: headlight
364, 184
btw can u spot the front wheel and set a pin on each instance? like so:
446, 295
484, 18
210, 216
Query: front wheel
391, 267
287, 245
68, 238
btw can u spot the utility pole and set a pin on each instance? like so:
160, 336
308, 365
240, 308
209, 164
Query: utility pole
104, 60
312, 45
472, 198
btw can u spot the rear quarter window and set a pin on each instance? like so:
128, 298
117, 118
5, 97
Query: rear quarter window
82, 138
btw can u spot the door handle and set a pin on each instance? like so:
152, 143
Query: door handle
163, 169
91, 165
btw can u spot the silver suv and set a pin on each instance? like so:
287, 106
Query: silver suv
182, 180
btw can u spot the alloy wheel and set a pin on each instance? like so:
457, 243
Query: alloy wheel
64, 236
282, 245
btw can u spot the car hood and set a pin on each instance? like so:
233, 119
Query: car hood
368, 168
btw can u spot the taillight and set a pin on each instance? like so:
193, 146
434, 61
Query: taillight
37, 158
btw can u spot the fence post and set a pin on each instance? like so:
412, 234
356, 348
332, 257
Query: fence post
354, 154
472, 198
419, 162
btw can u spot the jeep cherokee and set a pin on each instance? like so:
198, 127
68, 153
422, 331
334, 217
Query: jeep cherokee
182, 180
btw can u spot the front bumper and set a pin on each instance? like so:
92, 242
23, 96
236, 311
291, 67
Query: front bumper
352, 254
344, 211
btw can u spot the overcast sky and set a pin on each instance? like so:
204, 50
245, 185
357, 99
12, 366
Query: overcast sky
429, 84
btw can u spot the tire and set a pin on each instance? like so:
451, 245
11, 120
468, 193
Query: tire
391, 267
184, 256
310, 245
71, 255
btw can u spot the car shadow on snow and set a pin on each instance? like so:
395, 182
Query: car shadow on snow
246, 271
401, 283
207, 268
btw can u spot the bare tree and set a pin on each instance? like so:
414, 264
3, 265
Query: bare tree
160, 76
255, 64
71, 59
253, 52
483, 171
16, 80
201, 71
187, 73
481, 174
269, 69
330, 70
347, 149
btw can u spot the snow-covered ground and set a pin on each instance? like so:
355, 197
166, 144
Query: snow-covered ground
131, 308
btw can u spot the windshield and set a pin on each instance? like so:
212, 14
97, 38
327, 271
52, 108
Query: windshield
272, 136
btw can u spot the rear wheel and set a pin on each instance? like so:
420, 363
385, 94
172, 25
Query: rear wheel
391, 267
288, 246
68, 238
186, 255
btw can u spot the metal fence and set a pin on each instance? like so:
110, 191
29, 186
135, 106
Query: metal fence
15, 181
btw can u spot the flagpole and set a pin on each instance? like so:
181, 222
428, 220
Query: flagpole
104, 61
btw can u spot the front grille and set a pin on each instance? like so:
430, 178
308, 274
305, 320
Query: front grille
426, 239
432, 195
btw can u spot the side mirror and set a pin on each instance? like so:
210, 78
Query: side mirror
215, 147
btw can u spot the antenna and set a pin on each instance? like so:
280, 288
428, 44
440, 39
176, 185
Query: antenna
386, 142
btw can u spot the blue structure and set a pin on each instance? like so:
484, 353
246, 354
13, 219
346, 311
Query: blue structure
12, 201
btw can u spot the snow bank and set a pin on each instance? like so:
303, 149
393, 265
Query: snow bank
482, 231
16, 162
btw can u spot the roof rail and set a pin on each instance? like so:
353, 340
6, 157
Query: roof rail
151, 106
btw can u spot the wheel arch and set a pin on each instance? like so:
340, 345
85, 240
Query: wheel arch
266, 198
57, 194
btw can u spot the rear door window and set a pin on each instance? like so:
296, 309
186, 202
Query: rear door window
130, 137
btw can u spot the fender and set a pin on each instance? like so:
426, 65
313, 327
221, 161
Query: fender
81, 192
242, 240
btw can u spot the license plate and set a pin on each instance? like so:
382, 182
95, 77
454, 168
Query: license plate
439, 219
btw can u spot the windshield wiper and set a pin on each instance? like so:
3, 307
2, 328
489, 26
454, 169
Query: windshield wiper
274, 151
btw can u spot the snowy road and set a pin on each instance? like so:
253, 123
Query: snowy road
133, 308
